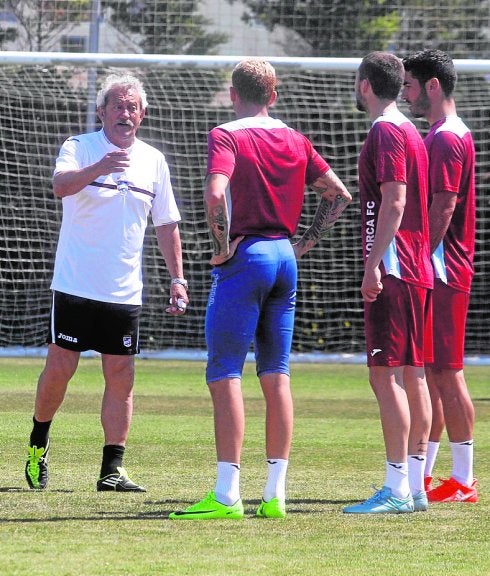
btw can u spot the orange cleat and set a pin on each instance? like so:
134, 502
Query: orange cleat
453, 491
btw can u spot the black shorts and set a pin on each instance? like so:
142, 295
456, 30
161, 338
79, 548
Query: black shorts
81, 324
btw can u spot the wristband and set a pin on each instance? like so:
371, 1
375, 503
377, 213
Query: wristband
182, 281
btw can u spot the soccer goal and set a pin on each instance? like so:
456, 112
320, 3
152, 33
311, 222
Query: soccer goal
46, 97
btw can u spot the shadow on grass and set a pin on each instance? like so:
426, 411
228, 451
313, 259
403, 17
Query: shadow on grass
28, 490
293, 507
104, 516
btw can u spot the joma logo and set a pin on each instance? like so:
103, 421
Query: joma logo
62, 336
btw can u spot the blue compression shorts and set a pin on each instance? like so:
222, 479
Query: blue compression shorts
252, 299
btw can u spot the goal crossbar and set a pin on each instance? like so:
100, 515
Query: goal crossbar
473, 66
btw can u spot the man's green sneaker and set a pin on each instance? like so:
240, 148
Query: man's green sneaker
209, 509
36, 469
274, 508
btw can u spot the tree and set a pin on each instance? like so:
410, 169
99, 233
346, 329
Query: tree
336, 28
39, 22
164, 27
157, 27
340, 28
7, 34
459, 29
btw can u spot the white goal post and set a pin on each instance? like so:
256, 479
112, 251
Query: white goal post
47, 96
470, 65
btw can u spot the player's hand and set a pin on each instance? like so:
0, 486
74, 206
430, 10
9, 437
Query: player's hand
219, 259
116, 161
179, 300
371, 285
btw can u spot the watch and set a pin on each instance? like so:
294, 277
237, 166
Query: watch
181, 281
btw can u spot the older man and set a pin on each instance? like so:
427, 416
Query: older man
109, 182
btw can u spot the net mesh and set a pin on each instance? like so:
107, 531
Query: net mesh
40, 106
266, 27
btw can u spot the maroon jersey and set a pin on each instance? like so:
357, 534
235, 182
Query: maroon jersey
268, 165
395, 152
452, 169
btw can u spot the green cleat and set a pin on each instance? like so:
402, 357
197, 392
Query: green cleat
209, 509
274, 508
36, 469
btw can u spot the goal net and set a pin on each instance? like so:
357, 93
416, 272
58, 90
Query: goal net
44, 98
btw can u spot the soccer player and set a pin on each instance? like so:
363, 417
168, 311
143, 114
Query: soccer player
109, 182
256, 175
430, 79
396, 283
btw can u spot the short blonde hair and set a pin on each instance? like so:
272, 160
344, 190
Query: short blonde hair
254, 80
121, 80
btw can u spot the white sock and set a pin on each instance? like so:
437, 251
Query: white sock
432, 450
462, 453
227, 488
397, 479
416, 466
276, 479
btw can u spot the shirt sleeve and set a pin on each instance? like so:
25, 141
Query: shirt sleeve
70, 156
316, 166
447, 156
164, 207
390, 154
222, 151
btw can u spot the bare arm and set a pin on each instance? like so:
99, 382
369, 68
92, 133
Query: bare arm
333, 201
218, 219
72, 181
389, 219
440, 214
168, 238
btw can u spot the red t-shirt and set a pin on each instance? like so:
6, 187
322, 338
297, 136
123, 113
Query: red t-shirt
395, 152
452, 169
268, 165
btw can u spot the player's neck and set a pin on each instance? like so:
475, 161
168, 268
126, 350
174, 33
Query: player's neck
381, 107
445, 108
251, 110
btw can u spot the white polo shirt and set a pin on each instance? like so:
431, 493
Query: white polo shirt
99, 252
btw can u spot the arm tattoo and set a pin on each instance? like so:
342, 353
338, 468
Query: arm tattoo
218, 227
328, 212
318, 228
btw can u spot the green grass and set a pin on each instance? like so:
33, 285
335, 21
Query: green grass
70, 529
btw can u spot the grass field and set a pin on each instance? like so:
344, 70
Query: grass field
70, 529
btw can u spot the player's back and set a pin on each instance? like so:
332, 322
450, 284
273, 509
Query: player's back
268, 164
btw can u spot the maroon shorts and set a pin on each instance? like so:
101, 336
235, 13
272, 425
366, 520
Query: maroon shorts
449, 312
395, 324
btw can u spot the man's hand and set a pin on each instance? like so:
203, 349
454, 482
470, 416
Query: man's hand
371, 284
219, 259
179, 300
116, 161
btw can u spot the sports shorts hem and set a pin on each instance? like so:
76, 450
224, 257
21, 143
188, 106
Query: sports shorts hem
225, 377
265, 372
